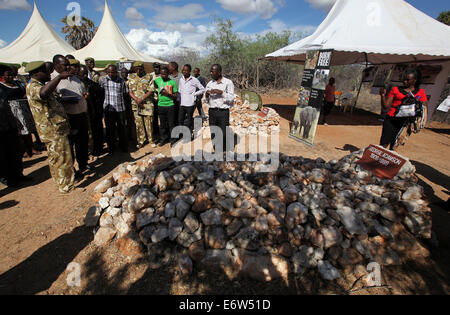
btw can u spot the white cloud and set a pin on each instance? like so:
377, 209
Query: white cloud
278, 26
135, 18
154, 43
181, 27
14, 5
2, 43
137, 24
322, 4
133, 14
173, 37
265, 8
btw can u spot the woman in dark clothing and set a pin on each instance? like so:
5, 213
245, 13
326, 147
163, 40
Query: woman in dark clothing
14, 93
10, 154
392, 126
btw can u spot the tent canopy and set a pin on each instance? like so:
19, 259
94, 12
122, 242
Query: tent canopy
110, 44
38, 41
376, 31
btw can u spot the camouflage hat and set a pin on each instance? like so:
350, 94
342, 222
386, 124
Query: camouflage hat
73, 62
89, 59
138, 64
34, 66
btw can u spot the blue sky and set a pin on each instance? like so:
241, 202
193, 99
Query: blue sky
158, 27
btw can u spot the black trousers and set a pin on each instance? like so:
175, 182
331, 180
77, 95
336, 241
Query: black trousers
177, 110
11, 166
186, 117
129, 120
115, 121
79, 138
97, 131
327, 108
155, 135
166, 122
391, 128
199, 106
221, 119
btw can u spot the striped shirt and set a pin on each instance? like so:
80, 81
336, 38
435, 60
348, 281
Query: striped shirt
114, 91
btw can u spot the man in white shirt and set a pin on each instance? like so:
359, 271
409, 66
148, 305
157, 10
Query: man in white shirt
220, 97
189, 89
76, 109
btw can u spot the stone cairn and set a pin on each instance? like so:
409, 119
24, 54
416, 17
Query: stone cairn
333, 217
245, 121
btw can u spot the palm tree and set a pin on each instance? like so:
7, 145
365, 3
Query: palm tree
444, 17
79, 36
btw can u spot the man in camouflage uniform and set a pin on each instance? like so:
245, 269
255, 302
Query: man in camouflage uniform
141, 86
52, 123
92, 74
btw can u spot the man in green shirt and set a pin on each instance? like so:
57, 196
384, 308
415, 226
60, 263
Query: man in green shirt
167, 94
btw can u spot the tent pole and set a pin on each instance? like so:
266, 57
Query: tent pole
360, 85
257, 74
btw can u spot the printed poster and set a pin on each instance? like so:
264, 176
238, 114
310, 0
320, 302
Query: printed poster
369, 74
445, 105
314, 81
381, 78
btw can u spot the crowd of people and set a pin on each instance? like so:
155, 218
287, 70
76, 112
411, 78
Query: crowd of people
73, 110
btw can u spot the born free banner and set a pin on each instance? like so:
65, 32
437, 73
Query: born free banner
311, 96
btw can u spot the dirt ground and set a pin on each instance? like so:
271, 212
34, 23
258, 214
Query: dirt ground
42, 231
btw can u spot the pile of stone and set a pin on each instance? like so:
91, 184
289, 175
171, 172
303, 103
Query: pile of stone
333, 217
244, 120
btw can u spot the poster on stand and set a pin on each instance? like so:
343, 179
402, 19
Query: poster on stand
399, 72
369, 74
381, 78
314, 81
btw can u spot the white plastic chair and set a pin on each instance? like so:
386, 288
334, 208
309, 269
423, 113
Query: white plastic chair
347, 101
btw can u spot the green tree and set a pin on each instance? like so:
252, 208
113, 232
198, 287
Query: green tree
184, 56
241, 57
444, 17
79, 36
225, 47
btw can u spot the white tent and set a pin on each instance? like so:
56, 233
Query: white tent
378, 32
38, 41
388, 31
110, 44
